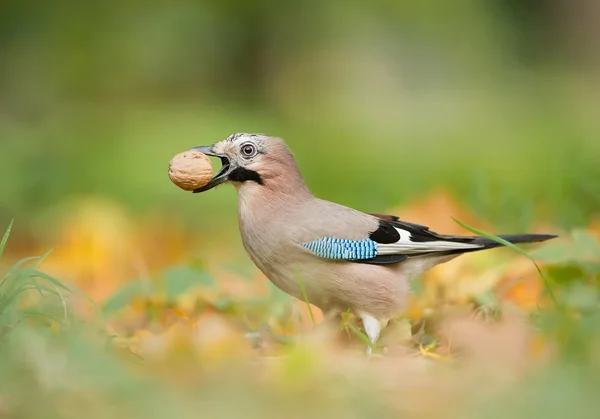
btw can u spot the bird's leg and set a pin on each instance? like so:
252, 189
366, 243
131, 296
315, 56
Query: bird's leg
372, 327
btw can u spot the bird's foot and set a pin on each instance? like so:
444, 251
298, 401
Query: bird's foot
372, 329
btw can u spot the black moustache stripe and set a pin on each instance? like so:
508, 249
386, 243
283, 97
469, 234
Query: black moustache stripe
241, 174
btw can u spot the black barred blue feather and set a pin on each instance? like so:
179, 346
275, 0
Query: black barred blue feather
331, 248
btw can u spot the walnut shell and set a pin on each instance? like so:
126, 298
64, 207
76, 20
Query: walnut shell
190, 170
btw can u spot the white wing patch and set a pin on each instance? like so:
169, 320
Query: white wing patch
406, 246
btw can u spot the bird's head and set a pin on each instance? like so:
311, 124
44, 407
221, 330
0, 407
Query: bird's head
250, 159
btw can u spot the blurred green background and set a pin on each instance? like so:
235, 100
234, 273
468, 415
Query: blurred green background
381, 101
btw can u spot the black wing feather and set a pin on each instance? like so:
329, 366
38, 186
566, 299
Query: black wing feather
385, 233
421, 233
383, 260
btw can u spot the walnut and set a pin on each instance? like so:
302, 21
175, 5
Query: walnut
190, 170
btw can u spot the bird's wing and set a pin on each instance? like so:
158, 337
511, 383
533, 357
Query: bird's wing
390, 241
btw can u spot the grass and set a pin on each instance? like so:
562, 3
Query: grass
57, 363
5, 237
20, 279
305, 296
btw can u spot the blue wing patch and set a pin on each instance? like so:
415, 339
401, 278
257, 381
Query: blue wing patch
330, 248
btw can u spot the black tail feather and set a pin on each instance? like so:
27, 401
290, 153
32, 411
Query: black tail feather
513, 238
490, 244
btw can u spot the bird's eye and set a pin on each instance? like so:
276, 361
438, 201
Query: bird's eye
248, 150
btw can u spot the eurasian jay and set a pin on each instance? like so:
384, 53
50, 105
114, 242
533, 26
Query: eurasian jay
345, 259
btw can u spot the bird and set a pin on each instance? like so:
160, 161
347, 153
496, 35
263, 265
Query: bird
336, 257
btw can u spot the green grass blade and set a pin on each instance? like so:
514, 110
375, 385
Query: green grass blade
362, 336
20, 263
344, 319
87, 297
18, 276
35, 265
10, 288
38, 274
17, 266
41, 259
517, 249
64, 304
11, 297
5, 237
305, 296
39, 288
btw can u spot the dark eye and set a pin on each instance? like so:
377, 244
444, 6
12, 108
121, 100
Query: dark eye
248, 150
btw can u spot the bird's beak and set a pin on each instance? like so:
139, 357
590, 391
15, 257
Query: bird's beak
220, 177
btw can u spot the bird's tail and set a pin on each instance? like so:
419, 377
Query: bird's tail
485, 243
512, 238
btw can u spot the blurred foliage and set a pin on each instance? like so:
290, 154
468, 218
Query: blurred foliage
484, 110
481, 338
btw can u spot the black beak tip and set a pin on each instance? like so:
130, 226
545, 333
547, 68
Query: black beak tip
204, 149
202, 189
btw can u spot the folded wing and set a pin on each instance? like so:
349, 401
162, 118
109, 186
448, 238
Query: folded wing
395, 241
